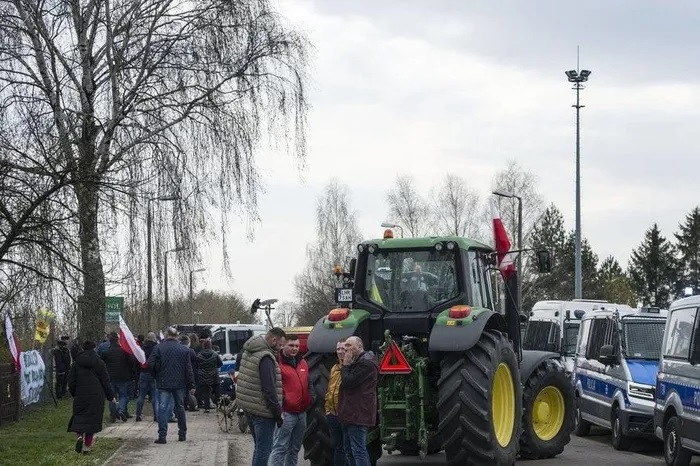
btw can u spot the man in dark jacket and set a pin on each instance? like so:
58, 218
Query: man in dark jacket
171, 365
147, 385
208, 386
298, 396
61, 366
120, 366
259, 390
357, 401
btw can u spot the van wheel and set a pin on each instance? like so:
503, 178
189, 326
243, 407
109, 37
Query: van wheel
581, 427
674, 453
619, 440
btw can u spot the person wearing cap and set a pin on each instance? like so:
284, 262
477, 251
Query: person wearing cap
171, 365
147, 385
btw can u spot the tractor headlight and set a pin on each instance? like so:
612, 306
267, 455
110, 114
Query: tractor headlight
360, 248
639, 390
438, 247
450, 245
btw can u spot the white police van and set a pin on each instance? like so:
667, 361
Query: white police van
617, 357
677, 408
553, 326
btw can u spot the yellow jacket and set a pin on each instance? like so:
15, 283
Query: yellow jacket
331, 405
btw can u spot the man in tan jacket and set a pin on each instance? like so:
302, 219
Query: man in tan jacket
331, 407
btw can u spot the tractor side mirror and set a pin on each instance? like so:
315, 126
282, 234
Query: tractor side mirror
353, 266
607, 355
544, 261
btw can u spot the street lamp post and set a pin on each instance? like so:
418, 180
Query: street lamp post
192, 272
392, 225
149, 266
520, 242
578, 78
165, 277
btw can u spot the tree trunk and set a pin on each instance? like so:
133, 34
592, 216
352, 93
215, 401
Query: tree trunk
91, 320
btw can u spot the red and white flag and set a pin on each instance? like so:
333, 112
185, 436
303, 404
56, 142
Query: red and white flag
128, 342
505, 258
12, 341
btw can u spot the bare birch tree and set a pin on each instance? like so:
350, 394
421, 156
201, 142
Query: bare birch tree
337, 239
407, 208
137, 98
456, 208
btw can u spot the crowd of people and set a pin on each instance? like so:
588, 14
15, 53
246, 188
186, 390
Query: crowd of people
176, 375
275, 392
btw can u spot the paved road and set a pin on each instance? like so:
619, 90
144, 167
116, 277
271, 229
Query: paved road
593, 450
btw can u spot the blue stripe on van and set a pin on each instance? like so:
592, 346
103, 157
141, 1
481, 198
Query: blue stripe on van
600, 387
689, 395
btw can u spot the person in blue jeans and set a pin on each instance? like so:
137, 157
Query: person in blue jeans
170, 364
147, 384
259, 390
120, 366
357, 400
335, 430
298, 396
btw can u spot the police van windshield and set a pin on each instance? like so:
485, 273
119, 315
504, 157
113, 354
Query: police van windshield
642, 338
411, 281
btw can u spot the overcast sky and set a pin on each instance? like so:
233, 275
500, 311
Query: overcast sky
426, 88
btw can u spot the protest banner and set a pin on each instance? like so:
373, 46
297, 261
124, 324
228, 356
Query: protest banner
32, 373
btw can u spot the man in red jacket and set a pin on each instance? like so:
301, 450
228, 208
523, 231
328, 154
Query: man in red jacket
298, 397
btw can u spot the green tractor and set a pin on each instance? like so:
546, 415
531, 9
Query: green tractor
452, 374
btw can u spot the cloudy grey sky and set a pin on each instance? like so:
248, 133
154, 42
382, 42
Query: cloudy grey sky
423, 88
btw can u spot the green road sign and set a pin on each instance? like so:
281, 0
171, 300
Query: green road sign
114, 306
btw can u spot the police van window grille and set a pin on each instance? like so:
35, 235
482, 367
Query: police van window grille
537, 335
644, 339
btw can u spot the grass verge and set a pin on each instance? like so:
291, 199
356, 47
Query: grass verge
40, 439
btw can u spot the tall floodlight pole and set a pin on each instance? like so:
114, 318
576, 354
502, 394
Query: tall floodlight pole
578, 78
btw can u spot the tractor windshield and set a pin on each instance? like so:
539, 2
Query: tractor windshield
411, 281
643, 338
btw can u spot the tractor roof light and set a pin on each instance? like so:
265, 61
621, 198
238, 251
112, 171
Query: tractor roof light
388, 234
338, 270
438, 247
360, 248
459, 312
339, 314
371, 248
450, 245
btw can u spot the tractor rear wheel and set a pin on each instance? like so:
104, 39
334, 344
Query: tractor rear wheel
548, 411
317, 441
480, 403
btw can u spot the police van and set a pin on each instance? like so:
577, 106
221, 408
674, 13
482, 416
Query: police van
617, 357
677, 408
553, 326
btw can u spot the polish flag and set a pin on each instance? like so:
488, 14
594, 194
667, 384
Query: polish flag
12, 341
128, 342
505, 259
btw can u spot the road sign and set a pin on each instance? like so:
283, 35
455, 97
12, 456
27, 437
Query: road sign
114, 307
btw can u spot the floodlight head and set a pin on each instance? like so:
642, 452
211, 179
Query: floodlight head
502, 193
178, 249
572, 75
169, 197
585, 74
268, 302
388, 225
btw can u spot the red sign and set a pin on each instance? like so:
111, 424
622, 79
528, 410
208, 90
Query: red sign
394, 362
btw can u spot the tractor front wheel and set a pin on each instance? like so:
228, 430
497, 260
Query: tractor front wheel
317, 441
548, 411
480, 403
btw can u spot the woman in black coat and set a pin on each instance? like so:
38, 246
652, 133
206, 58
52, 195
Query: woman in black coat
89, 384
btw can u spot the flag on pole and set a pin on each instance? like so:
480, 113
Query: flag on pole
128, 342
13, 342
506, 263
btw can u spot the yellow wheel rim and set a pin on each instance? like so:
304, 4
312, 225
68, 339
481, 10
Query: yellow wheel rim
503, 405
548, 413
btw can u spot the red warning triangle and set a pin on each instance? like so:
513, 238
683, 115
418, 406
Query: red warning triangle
394, 362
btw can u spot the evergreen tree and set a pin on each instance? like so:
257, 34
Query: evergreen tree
614, 284
653, 269
688, 244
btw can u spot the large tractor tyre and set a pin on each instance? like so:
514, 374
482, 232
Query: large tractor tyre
548, 411
480, 403
581, 426
317, 441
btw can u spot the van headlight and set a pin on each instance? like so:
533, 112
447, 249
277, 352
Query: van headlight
638, 390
